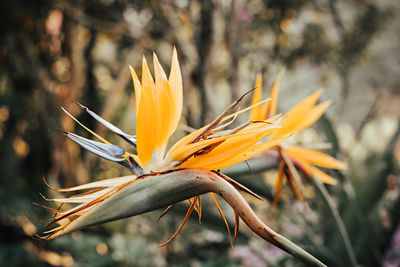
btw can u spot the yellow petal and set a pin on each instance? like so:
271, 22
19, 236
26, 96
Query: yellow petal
146, 128
175, 81
190, 210
246, 154
314, 114
185, 151
223, 217
148, 119
315, 157
165, 100
270, 107
296, 115
310, 170
223, 153
255, 114
87, 129
137, 86
179, 153
190, 137
158, 70
184, 141
147, 79
325, 178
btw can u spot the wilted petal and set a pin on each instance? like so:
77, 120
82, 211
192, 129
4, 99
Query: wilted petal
112, 182
143, 195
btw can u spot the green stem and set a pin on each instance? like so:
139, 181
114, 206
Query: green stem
338, 221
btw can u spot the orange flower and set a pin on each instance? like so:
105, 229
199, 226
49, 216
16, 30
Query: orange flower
158, 111
303, 115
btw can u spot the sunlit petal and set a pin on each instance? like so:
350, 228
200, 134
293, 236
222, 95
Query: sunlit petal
175, 81
297, 114
230, 148
255, 114
166, 105
325, 178
270, 108
315, 157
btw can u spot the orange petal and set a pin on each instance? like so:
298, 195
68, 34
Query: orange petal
137, 86
311, 170
246, 154
147, 79
230, 148
223, 217
165, 212
184, 141
314, 114
166, 105
325, 178
255, 114
146, 127
316, 157
199, 207
175, 81
270, 107
190, 210
185, 151
296, 115
236, 225
148, 119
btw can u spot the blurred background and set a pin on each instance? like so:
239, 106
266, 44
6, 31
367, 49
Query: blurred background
52, 52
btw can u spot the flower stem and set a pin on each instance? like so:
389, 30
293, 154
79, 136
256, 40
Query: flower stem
338, 220
240, 205
155, 191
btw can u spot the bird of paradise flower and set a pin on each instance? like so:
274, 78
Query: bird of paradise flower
161, 178
291, 159
158, 109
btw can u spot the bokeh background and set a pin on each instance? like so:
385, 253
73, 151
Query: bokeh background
52, 52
